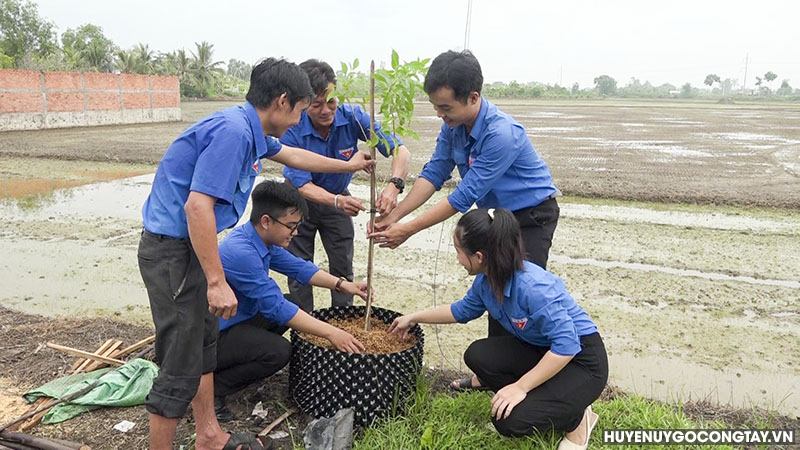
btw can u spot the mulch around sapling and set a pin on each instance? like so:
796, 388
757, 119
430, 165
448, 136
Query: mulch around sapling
377, 341
26, 363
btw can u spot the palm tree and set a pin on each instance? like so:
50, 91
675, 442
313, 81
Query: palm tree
145, 57
127, 61
203, 69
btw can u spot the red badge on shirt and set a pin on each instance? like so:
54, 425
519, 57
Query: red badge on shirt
255, 166
519, 323
469, 161
346, 152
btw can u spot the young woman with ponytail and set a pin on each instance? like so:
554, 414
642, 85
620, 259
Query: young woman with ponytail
551, 367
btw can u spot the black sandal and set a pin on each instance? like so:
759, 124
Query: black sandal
465, 384
248, 441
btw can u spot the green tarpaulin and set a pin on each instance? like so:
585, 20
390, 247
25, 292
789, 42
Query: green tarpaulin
126, 386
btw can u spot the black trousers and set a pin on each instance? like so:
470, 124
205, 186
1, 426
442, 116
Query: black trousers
186, 333
558, 403
537, 225
336, 231
248, 352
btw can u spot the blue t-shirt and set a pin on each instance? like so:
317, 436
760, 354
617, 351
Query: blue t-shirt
342, 143
218, 156
498, 165
536, 308
247, 261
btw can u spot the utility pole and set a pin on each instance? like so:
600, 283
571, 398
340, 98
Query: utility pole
744, 85
468, 25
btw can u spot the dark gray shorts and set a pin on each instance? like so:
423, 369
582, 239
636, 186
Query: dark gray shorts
186, 333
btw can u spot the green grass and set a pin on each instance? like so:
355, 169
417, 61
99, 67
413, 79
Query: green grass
439, 421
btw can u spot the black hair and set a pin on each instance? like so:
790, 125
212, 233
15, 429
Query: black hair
272, 77
273, 199
460, 71
320, 75
499, 240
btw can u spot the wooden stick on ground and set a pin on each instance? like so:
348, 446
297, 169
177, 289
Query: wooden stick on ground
83, 362
92, 356
133, 347
94, 365
48, 406
276, 422
77, 367
10, 437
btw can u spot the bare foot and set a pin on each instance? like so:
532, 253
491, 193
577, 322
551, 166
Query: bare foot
211, 442
580, 435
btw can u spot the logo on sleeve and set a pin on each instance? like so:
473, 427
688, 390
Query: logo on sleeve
347, 152
255, 167
520, 323
470, 161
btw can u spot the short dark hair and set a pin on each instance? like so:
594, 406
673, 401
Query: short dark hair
500, 241
320, 75
272, 77
460, 71
273, 199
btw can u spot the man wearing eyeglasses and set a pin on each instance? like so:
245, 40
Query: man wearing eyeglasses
250, 345
333, 131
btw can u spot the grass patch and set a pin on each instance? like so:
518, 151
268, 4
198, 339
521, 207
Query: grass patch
441, 421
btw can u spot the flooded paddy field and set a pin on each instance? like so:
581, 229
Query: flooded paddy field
694, 300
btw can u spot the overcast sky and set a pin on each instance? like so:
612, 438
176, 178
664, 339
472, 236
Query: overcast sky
560, 41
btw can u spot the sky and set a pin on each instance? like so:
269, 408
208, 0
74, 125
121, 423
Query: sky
564, 41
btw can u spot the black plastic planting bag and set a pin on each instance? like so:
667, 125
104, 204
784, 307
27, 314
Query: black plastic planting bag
323, 381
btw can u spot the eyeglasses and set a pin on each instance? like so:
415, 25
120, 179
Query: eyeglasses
290, 227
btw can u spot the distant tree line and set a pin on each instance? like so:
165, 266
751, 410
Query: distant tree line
28, 41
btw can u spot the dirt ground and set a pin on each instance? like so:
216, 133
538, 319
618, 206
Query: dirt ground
666, 150
697, 298
27, 364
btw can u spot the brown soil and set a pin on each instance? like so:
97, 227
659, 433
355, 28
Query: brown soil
377, 340
27, 364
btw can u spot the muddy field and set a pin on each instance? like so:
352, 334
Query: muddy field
647, 150
695, 300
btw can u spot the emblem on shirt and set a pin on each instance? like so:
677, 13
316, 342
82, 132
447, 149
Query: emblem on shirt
520, 323
255, 166
347, 152
470, 161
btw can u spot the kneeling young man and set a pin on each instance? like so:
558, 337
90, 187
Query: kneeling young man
250, 345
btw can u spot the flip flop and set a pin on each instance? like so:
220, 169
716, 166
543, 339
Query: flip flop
465, 384
591, 421
248, 441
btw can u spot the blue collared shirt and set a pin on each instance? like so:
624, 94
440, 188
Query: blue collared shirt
498, 165
247, 261
342, 143
218, 156
536, 308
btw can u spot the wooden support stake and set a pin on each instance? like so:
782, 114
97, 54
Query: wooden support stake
276, 422
372, 186
92, 356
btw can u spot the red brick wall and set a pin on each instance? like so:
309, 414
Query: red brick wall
28, 91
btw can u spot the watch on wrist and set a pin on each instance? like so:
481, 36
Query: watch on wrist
398, 182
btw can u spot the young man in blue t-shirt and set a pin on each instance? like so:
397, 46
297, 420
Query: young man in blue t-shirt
498, 165
201, 187
250, 346
333, 131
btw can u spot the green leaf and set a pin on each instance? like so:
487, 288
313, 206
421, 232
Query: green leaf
426, 440
355, 64
395, 60
344, 68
